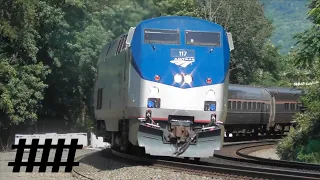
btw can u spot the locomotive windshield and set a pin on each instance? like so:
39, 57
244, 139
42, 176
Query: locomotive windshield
160, 36
203, 38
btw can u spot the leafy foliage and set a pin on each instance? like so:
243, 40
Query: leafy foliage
21, 74
250, 28
310, 153
300, 143
289, 18
49, 50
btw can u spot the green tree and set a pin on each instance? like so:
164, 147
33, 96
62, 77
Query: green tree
302, 144
79, 42
49, 49
21, 73
250, 28
271, 71
289, 18
73, 36
61, 37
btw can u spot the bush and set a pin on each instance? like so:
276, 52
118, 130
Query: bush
311, 152
303, 143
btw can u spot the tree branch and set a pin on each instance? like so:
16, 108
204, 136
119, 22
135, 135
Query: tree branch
237, 67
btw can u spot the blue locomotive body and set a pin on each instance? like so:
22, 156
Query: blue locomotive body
163, 86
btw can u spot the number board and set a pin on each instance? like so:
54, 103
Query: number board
182, 53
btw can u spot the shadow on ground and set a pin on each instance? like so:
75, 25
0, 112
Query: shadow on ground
105, 160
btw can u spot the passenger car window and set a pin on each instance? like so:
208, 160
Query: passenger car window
161, 36
292, 106
239, 105
258, 105
286, 106
234, 104
245, 105
203, 38
254, 105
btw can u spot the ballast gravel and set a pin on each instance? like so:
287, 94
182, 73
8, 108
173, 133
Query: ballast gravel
7, 174
110, 169
269, 153
97, 166
105, 168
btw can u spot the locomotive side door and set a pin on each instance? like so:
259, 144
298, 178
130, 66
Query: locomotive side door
126, 76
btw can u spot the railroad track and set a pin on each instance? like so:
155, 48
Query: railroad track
216, 166
240, 154
253, 138
220, 168
78, 174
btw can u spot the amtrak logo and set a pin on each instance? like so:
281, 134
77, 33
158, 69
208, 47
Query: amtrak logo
183, 61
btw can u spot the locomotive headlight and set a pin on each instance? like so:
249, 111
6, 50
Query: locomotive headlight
188, 79
177, 78
154, 90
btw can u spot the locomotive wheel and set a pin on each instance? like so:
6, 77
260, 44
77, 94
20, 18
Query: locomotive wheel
227, 134
271, 132
136, 150
255, 133
197, 159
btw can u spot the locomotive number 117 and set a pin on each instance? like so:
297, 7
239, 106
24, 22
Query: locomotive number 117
182, 53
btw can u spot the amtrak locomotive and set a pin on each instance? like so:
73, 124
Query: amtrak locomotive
163, 87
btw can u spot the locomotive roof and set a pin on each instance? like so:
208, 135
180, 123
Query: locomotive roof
112, 47
170, 18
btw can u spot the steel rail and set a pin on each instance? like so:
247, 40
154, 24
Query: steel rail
76, 173
279, 163
250, 142
239, 156
227, 169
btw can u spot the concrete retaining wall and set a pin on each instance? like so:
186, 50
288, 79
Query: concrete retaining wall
95, 142
82, 138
